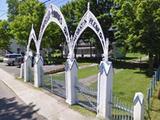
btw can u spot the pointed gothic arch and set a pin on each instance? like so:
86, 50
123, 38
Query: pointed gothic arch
53, 14
89, 20
32, 37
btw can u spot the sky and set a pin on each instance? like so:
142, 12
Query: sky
4, 7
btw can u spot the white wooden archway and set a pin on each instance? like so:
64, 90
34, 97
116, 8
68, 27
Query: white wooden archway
53, 14
27, 59
32, 37
89, 20
104, 85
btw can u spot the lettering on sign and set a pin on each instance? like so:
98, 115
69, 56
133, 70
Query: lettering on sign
79, 29
65, 31
94, 25
56, 15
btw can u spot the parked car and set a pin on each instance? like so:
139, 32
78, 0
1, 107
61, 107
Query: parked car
13, 59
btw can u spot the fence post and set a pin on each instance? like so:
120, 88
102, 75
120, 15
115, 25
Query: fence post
153, 82
104, 93
158, 73
151, 88
22, 71
51, 83
27, 68
148, 97
138, 110
71, 78
38, 71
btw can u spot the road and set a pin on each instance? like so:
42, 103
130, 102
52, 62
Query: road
13, 108
15, 71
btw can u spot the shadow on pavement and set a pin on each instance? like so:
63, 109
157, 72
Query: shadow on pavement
11, 110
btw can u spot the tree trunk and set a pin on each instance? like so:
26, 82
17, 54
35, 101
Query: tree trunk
151, 63
156, 61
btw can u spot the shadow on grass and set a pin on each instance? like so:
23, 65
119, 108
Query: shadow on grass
143, 67
11, 110
130, 58
155, 110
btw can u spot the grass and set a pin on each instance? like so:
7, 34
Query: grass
60, 76
128, 81
83, 111
154, 111
84, 64
81, 73
86, 72
134, 56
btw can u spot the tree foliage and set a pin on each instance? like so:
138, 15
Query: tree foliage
137, 24
29, 12
4, 35
12, 9
75, 10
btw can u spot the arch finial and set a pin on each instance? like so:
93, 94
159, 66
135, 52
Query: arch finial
32, 26
88, 6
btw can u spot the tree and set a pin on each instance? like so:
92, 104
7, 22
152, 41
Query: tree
4, 35
29, 12
137, 24
12, 9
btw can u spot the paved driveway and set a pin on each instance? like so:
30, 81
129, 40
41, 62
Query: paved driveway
12, 108
14, 70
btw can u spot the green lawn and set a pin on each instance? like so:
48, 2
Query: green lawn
89, 71
82, 73
84, 64
134, 56
60, 76
128, 81
154, 111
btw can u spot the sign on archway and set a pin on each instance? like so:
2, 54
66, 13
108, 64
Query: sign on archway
53, 14
89, 20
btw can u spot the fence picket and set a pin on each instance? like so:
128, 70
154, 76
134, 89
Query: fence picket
121, 111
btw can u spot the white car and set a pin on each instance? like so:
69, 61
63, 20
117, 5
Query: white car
13, 59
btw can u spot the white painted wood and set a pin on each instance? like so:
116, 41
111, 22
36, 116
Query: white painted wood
27, 68
53, 14
89, 20
104, 94
38, 71
138, 110
22, 71
71, 80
